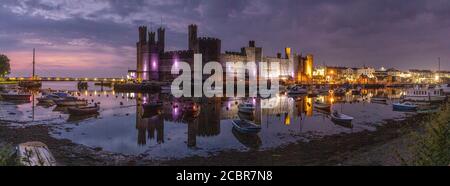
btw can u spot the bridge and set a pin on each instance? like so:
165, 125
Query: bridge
108, 80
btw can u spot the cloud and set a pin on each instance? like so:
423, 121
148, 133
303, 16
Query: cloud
402, 33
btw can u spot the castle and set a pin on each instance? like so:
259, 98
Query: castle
154, 63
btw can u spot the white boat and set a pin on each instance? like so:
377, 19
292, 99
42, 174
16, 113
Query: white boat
298, 90
405, 106
246, 107
339, 117
425, 94
245, 126
70, 101
35, 154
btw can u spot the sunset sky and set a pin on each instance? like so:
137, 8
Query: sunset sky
90, 38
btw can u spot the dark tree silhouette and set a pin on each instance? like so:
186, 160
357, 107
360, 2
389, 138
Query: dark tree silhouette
5, 68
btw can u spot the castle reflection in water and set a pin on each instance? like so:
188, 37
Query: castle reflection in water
150, 125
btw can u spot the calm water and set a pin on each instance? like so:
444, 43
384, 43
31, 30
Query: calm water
123, 127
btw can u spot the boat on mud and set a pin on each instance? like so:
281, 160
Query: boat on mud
245, 126
35, 153
322, 106
339, 117
247, 108
405, 106
81, 111
70, 101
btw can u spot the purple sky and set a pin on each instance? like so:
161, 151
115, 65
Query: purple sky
97, 38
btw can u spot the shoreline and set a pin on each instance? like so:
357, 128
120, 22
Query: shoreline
339, 149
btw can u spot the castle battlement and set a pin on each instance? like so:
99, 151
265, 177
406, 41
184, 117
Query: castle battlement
178, 53
208, 39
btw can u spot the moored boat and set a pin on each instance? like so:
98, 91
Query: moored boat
406, 106
80, 111
16, 96
245, 126
70, 101
339, 117
49, 98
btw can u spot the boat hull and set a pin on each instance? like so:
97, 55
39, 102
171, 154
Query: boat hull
246, 130
83, 111
425, 98
10, 97
66, 103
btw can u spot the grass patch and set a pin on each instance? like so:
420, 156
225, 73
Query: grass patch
7, 157
432, 145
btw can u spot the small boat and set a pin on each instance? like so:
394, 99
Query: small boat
35, 153
246, 108
16, 96
339, 117
80, 111
152, 105
70, 101
245, 126
405, 106
297, 90
49, 98
322, 106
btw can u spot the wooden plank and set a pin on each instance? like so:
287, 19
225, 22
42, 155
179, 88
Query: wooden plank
35, 154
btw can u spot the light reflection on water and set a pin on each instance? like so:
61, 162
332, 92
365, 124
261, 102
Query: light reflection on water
123, 127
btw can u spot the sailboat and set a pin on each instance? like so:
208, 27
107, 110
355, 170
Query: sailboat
33, 83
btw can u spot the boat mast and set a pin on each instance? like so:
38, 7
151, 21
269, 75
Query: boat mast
33, 64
